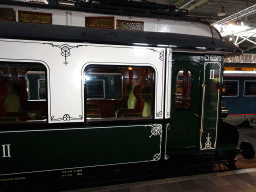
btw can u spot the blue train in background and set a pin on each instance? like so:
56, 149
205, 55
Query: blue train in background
239, 95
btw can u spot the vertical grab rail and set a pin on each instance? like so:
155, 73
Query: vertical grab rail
203, 103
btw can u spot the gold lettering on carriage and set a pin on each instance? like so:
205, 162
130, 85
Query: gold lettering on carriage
6, 150
212, 58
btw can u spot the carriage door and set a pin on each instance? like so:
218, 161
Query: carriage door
185, 106
210, 103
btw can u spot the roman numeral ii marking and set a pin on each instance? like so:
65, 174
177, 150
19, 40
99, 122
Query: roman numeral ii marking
6, 150
212, 74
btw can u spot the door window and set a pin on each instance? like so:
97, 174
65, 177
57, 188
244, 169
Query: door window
184, 80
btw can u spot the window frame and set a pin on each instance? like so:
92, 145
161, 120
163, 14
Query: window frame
29, 64
244, 88
238, 83
125, 65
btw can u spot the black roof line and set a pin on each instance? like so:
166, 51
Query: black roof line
47, 32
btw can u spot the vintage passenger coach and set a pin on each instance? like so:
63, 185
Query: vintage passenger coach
74, 97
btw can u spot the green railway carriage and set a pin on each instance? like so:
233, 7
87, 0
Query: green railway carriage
74, 98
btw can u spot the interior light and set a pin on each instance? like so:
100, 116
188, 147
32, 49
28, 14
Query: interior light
87, 78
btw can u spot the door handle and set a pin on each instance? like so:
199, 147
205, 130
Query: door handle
196, 115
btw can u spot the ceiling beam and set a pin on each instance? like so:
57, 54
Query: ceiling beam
198, 4
249, 48
183, 6
246, 12
245, 39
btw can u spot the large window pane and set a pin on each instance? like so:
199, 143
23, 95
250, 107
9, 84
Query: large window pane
119, 93
230, 89
250, 88
22, 93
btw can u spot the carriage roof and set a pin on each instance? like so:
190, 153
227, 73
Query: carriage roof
179, 42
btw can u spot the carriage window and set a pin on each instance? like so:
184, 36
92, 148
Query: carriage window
22, 93
250, 88
119, 93
184, 80
230, 89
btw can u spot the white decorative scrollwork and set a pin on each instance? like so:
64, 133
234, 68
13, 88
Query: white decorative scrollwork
213, 70
66, 117
161, 55
156, 130
208, 143
157, 157
65, 50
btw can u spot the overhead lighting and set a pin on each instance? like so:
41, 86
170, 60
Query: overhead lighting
231, 28
183, 6
222, 12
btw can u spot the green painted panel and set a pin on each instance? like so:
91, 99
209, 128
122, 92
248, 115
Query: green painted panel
211, 104
27, 151
183, 130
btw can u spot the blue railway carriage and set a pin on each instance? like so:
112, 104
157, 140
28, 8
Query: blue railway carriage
239, 95
75, 98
